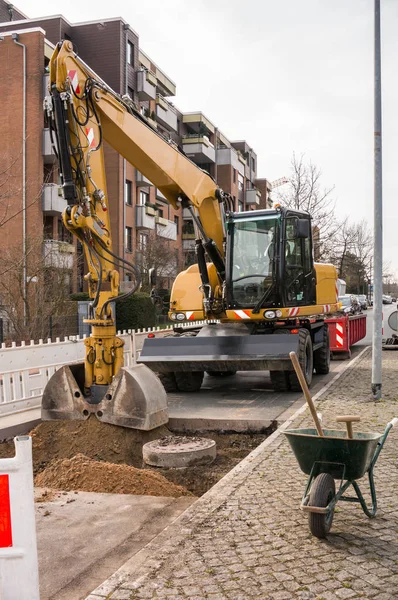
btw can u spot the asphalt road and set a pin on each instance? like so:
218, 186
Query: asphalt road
245, 400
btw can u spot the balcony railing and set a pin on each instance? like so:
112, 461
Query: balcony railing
146, 85
166, 229
253, 197
165, 113
144, 217
199, 148
47, 148
52, 201
188, 245
58, 254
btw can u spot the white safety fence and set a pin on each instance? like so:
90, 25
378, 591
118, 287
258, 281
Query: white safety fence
19, 576
26, 369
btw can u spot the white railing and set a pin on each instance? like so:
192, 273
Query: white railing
26, 369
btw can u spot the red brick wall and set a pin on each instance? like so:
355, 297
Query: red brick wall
11, 121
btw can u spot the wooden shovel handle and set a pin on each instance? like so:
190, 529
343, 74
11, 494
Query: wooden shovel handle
348, 420
306, 392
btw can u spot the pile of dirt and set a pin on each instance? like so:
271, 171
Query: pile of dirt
87, 475
99, 441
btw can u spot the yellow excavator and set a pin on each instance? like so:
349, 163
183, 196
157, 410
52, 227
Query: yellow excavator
254, 276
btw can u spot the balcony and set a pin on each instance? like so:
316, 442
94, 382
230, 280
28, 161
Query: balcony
52, 201
166, 229
199, 148
253, 197
144, 217
146, 85
47, 148
165, 114
198, 121
58, 254
141, 180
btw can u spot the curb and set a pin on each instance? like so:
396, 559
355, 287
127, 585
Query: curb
144, 562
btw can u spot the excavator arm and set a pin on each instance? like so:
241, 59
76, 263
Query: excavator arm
83, 112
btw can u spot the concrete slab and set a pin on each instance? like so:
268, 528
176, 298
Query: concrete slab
84, 537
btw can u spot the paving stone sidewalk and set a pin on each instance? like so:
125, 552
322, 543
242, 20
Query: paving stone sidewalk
247, 539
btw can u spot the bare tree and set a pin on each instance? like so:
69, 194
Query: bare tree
158, 253
35, 309
304, 191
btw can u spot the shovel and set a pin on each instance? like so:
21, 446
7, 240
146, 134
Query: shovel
306, 392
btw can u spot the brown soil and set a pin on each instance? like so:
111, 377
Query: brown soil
104, 443
87, 475
96, 440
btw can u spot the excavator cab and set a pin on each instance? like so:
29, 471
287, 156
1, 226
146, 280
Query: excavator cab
269, 260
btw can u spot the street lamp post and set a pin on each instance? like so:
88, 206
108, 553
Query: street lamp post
378, 215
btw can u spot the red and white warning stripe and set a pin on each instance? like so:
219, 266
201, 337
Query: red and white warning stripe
326, 308
72, 74
190, 315
293, 312
90, 136
339, 335
242, 314
337, 291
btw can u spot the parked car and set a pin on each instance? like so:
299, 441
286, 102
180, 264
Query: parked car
393, 299
351, 304
363, 301
387, 299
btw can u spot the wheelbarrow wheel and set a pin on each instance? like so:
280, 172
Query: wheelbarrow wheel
323, 490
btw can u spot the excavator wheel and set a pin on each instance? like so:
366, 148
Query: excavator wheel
168, 381
280, 381
306, 360
322, 356
189, 381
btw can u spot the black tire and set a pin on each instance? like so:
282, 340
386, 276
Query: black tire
168, 381
306, 360
323, 490
322, 355
189, 381
280, 381
221, 373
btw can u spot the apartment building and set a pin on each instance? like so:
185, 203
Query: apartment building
139, 213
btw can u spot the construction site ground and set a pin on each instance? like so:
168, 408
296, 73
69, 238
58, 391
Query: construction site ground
246, 537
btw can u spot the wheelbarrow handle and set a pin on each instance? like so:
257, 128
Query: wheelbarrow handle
393, 422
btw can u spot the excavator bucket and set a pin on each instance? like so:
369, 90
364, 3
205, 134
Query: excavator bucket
135, 398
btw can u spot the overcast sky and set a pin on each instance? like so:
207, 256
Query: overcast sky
287, 76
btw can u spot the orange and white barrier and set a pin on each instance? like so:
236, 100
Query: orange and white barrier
19, 576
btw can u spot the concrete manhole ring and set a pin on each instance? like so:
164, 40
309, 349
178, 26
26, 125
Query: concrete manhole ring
179, 451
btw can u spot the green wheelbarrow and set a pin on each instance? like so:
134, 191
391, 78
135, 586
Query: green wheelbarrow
327, 455
334, 457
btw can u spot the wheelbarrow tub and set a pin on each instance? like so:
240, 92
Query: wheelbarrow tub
355, 454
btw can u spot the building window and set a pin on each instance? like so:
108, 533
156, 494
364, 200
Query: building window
143, 242
177, 224
240, 182
129, 192
160, 211
234, 175
144, 198
129, 239
130, 53
130, 92
240, 206
253, 164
